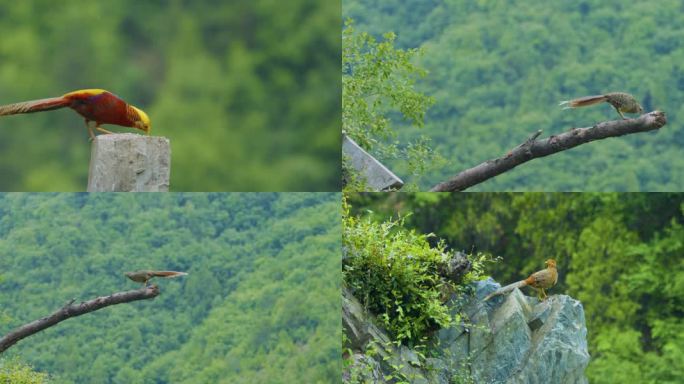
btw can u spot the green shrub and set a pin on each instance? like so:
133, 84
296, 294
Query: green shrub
394, 272
15, 372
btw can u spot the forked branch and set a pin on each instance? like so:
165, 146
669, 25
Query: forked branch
533, 148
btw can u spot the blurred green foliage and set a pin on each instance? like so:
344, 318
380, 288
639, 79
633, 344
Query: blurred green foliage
499, 69
260, 304
248, 92
621, 255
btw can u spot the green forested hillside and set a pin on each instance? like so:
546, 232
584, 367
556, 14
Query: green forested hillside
248, 92
498, 70
260, 303
621, 255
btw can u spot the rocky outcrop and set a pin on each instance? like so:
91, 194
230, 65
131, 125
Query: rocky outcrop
509, 339
376, 176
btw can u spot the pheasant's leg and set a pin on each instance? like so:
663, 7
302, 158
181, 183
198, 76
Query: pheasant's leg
103, 130
90, 130
536, 290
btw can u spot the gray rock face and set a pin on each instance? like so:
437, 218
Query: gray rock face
128, 162
363, 335
510, 339
377, 176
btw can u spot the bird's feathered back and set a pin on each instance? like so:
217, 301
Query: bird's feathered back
84, 93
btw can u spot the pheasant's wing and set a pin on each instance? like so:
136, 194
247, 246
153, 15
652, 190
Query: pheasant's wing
34, 106
542, 279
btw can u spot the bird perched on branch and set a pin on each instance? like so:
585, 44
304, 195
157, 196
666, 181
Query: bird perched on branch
546, 278
622, 102
97, 105
145, 276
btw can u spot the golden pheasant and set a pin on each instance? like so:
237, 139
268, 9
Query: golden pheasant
98, 105
145, 276
546, 278
622, 102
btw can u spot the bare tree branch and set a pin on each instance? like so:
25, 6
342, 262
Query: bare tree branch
533, 148
72, 310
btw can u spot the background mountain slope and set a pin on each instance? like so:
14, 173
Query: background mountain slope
260, 304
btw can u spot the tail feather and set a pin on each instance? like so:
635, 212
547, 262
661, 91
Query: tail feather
506, 289
583, 101
565, 104
167, 273
34, 106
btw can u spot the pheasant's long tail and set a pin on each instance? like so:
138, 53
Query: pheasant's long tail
506, 289
34, 106
583, 101
167, 273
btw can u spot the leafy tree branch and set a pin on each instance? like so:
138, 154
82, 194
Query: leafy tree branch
378, 81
